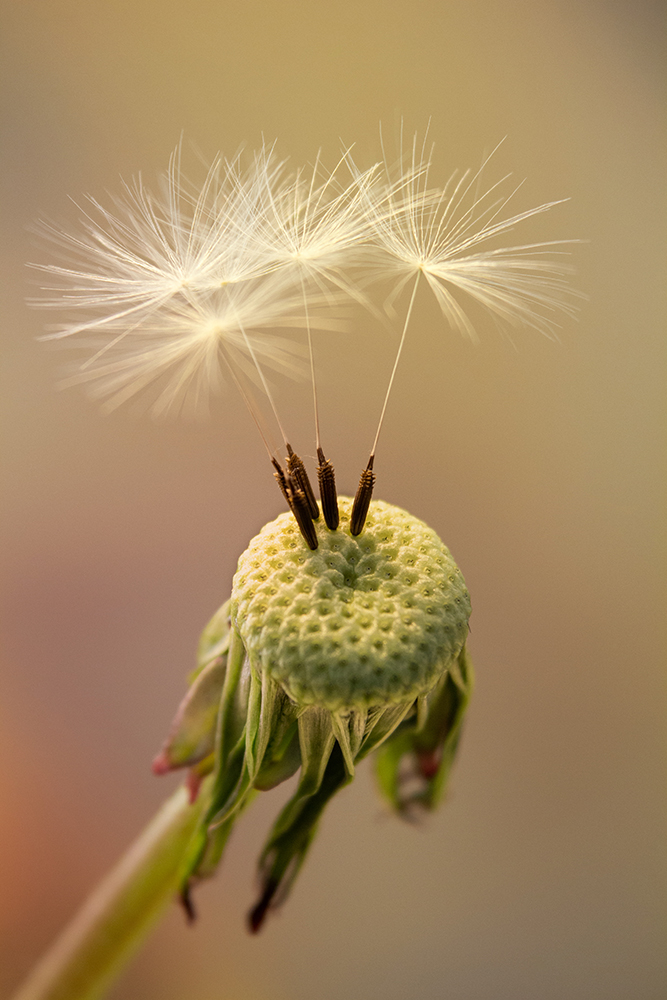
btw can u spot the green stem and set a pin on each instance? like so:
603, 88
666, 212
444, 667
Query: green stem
113, 922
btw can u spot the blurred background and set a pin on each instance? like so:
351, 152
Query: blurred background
539, 463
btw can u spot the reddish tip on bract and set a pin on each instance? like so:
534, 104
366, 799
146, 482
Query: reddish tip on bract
161, 764
193, 784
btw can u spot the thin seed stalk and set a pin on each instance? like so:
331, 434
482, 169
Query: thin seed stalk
111, 925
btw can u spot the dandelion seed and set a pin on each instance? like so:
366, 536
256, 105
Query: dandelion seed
423, 232
312, 226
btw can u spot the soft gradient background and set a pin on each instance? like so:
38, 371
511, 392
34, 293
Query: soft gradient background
540, 464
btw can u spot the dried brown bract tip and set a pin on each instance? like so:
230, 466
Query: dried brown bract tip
297, 472
327, 481
259, 912
185, 898
362, 499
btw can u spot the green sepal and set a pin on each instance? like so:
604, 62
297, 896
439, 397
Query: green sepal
260, 758
447, 716
262, 716
206, 850
286, 762
349, 729
257, 746
316, 741
381, 723
279, 736
238, 710
231, 786
192, 735
233, 710
414, 764
292, 835
210, 849
228, 796
214, 640
330, 744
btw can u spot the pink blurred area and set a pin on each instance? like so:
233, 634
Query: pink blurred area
540, 464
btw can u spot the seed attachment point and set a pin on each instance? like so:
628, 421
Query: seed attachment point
301, 510
327, 481
296, 470
362, 499
297, 502
281, 479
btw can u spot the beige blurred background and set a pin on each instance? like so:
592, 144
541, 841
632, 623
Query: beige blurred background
540, 464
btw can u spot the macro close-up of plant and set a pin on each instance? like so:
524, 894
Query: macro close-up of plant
346, 631
332, 603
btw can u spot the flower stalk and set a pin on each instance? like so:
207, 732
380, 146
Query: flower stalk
120, 912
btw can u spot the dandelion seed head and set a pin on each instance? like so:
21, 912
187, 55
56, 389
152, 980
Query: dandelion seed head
373, 656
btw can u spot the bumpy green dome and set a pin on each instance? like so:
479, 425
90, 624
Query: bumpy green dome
360, 621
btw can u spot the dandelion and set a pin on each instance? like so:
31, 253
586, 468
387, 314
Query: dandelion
345, 635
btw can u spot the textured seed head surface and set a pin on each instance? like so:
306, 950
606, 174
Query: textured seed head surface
361, 621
